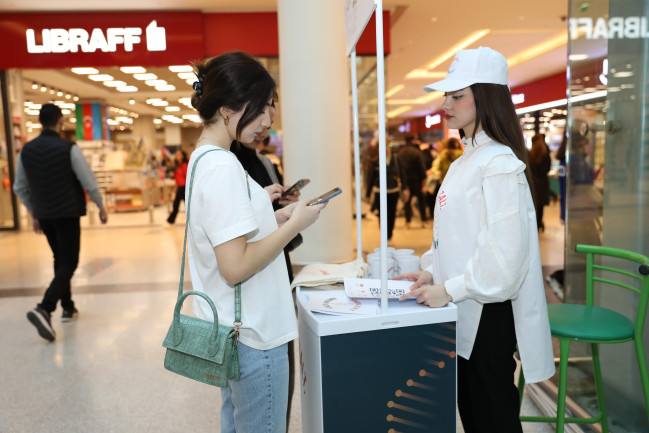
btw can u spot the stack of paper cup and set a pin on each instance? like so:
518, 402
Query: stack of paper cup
390, 251
406, 260
374, 260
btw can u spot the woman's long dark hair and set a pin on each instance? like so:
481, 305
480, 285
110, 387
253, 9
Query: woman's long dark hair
496, 114
184, 156
234, 80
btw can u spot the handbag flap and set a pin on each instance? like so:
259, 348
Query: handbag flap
195, 334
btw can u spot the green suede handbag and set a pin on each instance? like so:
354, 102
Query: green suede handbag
201, 350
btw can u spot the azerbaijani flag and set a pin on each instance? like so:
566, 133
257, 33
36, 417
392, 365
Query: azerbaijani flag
91, 121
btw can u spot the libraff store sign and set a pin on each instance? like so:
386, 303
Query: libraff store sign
54, 40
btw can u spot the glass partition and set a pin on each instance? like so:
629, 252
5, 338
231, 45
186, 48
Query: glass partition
8, 217
608, 178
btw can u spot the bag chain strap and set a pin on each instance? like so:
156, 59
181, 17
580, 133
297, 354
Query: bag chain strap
237, 288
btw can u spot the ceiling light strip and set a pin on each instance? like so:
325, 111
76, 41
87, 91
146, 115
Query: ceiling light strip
473, 37
560, 102
539, 49
418, 101
399, 110
395, 90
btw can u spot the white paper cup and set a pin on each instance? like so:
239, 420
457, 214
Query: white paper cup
375, 266
407, 263
390, 251
404, 252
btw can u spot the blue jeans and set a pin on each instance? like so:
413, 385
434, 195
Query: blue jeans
257, 402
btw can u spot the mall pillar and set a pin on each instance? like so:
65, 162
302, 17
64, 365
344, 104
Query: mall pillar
172, 135
144, 133
315, 110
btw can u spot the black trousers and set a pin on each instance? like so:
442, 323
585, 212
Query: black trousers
180, 195
391, 200
415, 191
539, 218
487, 397
430, 201
64, 237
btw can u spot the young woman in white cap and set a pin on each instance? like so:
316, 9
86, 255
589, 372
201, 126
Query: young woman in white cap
485, 252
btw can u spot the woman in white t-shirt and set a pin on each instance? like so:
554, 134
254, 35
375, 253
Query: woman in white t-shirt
236, 238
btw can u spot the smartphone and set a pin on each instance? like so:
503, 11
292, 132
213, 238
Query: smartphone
296, 186
326, 196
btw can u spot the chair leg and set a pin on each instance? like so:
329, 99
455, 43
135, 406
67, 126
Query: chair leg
563, 371
644, 375
600, 387
521, 388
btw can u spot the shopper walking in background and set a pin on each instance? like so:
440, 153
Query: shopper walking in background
393, 187
485, 251
540, 163
51, 175
180, 175
235, 236
413, 174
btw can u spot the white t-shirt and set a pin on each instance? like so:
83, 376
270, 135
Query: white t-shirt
220, 211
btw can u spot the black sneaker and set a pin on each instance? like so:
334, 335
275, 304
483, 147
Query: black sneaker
41, 320
69, 315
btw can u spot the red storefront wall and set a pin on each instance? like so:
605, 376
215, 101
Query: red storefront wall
189, 36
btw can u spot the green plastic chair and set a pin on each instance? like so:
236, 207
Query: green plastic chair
597, 325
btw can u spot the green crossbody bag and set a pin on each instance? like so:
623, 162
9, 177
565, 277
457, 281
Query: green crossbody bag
198, 349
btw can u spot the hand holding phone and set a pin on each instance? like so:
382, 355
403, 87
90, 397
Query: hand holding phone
296, 187
326, 196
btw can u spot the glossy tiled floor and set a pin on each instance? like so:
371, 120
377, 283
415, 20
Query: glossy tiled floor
104, 372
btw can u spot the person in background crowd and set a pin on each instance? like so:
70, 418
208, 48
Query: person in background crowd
429, 155
561, 156
393, 184
581, 169
370, 157
235, 236
51, 175
413, 175
450, 150
168, 165
485, 251
180, 176
540, 163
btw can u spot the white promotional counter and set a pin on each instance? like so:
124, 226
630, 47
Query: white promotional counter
393, 372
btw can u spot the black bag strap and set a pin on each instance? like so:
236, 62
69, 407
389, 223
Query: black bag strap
237, 287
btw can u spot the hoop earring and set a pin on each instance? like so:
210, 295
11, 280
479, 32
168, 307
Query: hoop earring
226, 120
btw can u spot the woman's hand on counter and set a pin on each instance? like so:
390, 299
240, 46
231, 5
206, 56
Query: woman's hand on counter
433, 296
420, 278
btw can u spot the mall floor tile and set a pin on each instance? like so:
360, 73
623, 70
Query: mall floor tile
104, 372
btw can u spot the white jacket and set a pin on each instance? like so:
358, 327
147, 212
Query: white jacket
486, 249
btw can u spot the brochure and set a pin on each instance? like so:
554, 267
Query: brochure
371, 288
336, 302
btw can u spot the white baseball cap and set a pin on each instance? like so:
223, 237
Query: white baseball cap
482, 65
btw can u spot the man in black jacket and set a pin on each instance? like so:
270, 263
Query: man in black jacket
413, 174
51, 175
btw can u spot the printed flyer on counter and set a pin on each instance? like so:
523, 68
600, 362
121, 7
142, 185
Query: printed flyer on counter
336, 302
371, 288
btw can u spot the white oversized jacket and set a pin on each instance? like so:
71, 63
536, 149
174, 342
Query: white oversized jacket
486, 249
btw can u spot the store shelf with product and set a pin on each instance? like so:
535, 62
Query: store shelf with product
124, 178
